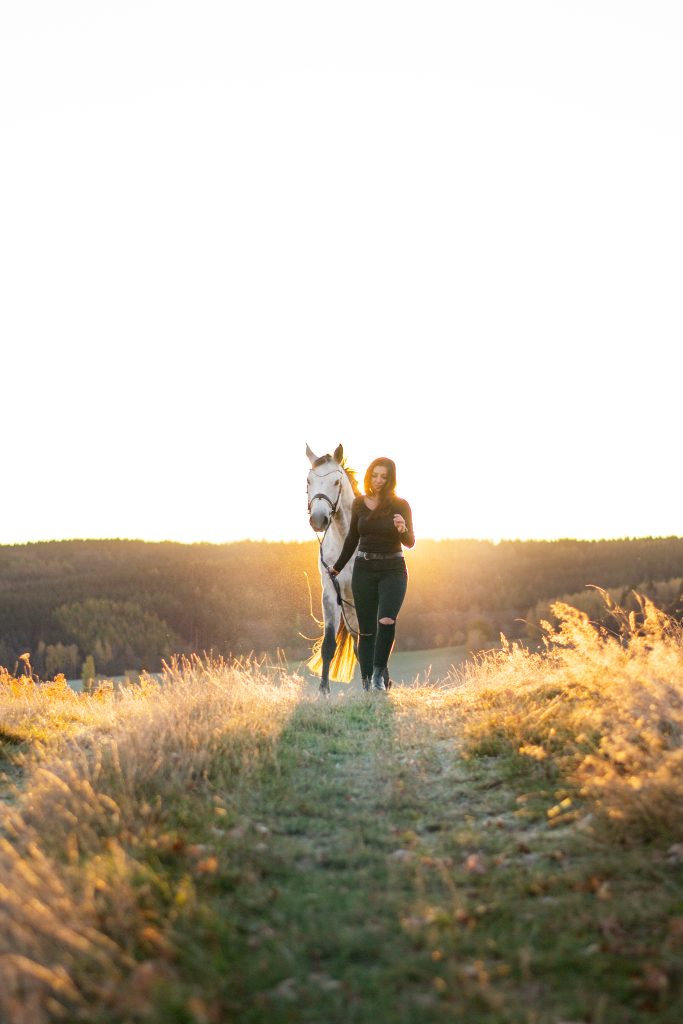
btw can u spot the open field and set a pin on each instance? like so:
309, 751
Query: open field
406, 667
503, 845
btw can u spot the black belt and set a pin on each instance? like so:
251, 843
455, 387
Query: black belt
372, 554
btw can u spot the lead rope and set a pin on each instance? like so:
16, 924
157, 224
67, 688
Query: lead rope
335, 582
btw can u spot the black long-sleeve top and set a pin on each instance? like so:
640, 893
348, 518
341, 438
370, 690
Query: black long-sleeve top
376, 534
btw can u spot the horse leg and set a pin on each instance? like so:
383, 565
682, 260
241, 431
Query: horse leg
329, 645
327, 650
347, 596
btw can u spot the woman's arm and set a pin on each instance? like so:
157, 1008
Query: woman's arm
351, 542
408, 535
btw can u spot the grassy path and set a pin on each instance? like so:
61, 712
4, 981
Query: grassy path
244, 853
387, 879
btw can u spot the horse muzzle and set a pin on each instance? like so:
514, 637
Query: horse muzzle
319, 521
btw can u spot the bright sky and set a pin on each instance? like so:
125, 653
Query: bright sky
446, 232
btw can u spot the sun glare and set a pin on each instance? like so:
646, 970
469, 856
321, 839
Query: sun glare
200, 283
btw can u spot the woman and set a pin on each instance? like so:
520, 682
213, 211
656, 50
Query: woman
380, 524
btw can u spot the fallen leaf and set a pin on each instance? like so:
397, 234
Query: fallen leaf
654, 979
197, 849
285, 990
146, 977
610, 927
151, 936
208, 866
475, 864
324, 982
199, 1009
402, 855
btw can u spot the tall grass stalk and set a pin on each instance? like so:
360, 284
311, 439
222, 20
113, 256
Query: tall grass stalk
602, 710
97, 864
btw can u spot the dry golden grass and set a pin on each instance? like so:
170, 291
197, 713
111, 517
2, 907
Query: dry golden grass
604, 711
112, 787
124, 831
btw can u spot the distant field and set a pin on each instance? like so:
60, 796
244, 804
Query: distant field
406, 665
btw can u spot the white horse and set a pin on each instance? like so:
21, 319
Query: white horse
332, 487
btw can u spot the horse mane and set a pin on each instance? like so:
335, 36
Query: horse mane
350, 473
352, 476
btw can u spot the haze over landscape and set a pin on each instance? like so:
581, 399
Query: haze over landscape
453, 240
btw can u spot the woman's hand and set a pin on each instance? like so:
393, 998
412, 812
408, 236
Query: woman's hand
332, 572
400, 523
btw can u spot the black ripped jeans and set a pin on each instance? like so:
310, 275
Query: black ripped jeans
379, 586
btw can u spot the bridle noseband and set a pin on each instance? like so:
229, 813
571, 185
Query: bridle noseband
333, 504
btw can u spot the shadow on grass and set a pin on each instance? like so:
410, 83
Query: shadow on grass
311, 928
383, 889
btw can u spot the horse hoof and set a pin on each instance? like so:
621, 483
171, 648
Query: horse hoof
324, 691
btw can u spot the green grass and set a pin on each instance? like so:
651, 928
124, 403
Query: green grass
407, 666
380, 882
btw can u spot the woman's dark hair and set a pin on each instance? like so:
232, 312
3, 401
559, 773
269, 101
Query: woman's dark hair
389, 489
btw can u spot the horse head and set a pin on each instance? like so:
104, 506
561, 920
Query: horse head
327, 481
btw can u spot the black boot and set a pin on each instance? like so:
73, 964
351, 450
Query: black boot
377, 681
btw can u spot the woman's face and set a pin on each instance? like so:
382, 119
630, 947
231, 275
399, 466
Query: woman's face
379, 478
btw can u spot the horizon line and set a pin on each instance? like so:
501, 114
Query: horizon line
293, 540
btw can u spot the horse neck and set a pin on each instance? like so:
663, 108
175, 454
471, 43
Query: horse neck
339, 527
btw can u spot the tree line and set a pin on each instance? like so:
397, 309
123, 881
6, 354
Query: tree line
129, 604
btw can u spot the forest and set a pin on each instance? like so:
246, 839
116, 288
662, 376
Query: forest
129, 604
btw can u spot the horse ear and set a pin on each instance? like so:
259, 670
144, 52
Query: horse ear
338, 453
311, 456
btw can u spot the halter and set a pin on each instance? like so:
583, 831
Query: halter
333, 511
332, 504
